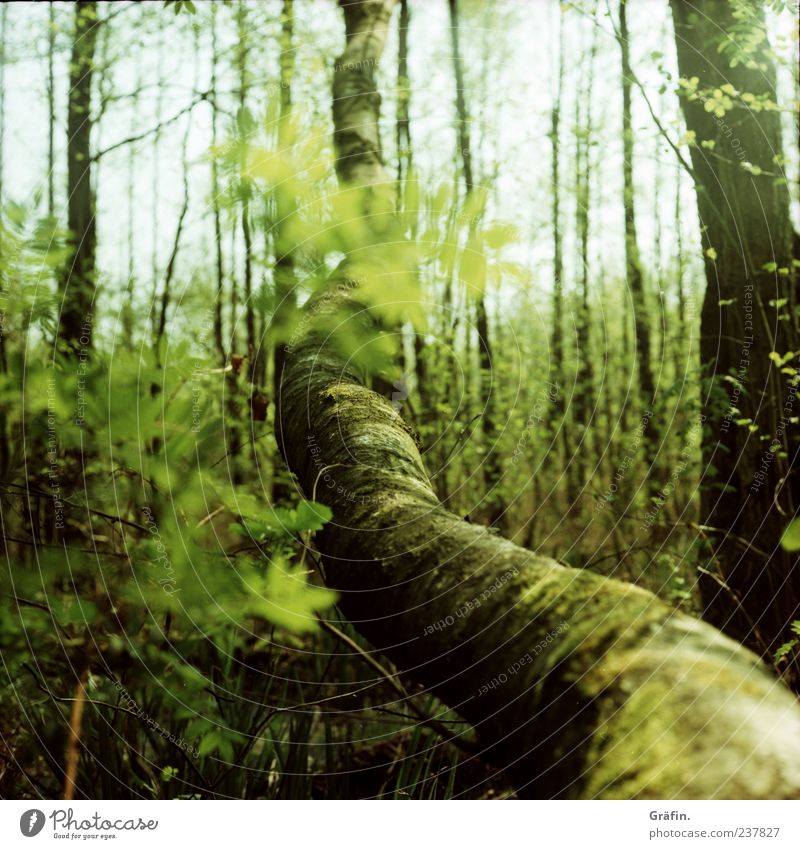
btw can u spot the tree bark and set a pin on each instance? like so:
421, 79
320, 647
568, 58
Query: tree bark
492, 472
559, 410
51, 108
403, 126
242, 57
3, 44
284, 276
750, 487
215, 192
585, 417
633, 261
78, 276
580, 686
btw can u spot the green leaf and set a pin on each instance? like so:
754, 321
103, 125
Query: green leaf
168, 773
782, 651
209, 743
790, 541
79, 611
312, 516
499, 234
285, 598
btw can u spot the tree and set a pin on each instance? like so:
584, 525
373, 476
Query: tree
748, 334
3, 43
403, 128
492, 472
51, 107
78, 276
284, 275
557, 336
585, 400
245, 130
558, 670
215, 192
633, 261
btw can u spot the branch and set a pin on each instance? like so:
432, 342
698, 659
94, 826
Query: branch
157, 128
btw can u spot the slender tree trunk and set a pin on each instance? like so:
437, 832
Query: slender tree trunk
130, 286
559, 410
285, 298
584, 419
680, 282
156, 187
405, 166
215, 192
492, 472
51, 108
558, 670
403, 129
169, 272
3, 43
633, 262
4, 448
245, 187
233, 296
750, 487
78, 277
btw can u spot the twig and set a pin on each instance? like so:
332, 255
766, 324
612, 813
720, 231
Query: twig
157, 128
110, 516
210, 516
73, 751
460, 440
433, 724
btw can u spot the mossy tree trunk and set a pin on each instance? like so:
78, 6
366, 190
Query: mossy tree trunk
750, 488
580, 686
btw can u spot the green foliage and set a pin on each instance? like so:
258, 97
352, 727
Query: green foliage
789, 652
790, 541
179, 6
114, 470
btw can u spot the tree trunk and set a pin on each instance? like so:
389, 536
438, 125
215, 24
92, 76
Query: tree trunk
215, 192
633, 260
3, 357
169, 271
3, 43
78, 276
559, 410
403, 128
285, 283
584, 405
579, 685
51, 108
492, 472
750, 487
242, 56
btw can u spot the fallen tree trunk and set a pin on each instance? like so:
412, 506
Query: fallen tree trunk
579, 685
